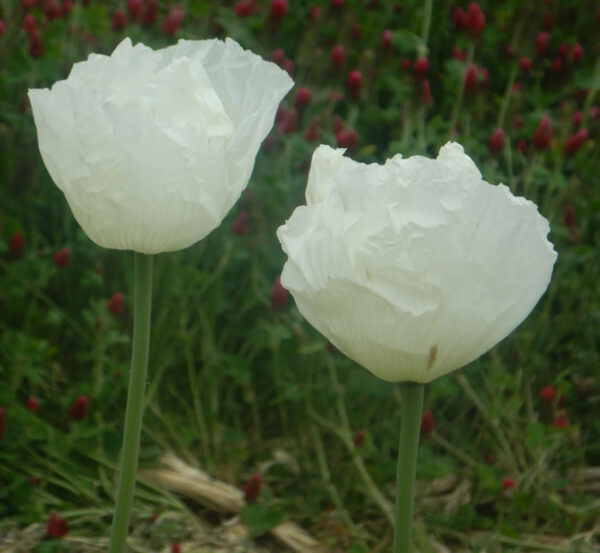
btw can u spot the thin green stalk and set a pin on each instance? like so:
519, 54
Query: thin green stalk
507, 94
428, 8
406, 123
589, 100
412, 408
494, 422
326, 477
346, 433
135, 402
196, 400
461, 88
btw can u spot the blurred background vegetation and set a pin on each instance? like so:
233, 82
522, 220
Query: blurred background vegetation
239, 383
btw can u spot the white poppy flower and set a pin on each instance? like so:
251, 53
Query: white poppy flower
152, 148
416, 267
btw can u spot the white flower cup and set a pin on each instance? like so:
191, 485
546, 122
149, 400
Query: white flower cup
152, 148
416, 267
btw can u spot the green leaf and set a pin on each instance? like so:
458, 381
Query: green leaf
536, 434
260, 518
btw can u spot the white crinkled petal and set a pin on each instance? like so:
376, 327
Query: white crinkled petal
250, 89
415, 268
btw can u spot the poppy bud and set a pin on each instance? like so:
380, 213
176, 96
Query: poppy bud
458, 54
176, 548
561, 421
79, 408
289, 123
543, 134
240, 224
386, 40
118, 20
16, 244
337, 4
459, 18
56, 527
557, 66
29, 23
312, 132
359, 438
508, 483
525, 64
427, 423
36, 46
244, 8
521, 146
278, 10
67, 6
303, 97
509, 51
348, 139
288, 65
280, 113
173, 21
471, 79
62, 258
51, 9
576, 141
474, 19
421, 67
563, 51
338, 56
33, 405
150, 13
252, 488
497, 140
406, 64
278, 56
547, 24
354, 83
541, 43
548, 393
315, 12
134, 8
577, 118
2, 27
115, 304
356, 31
577, 53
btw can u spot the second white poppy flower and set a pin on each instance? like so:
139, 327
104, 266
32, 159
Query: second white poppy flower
414, 268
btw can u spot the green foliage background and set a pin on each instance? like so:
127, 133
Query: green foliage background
237, 383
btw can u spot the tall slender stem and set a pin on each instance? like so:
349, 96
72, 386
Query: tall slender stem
412, 407
135, 402
426, 24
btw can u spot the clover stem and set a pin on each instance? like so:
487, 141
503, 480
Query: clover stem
412, 406
135, 402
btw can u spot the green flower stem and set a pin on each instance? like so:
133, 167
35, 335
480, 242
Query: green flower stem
412, 407
135, 402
